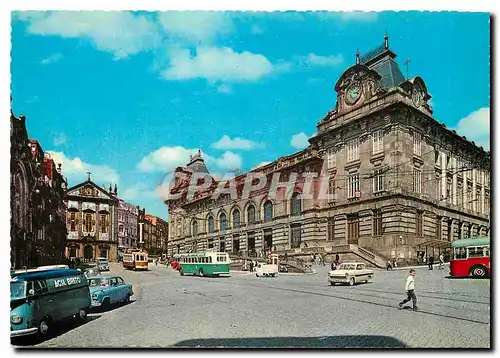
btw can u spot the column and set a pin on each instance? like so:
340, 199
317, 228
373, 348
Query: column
483, 183
443, 175
474, 196
454, 185
464, 189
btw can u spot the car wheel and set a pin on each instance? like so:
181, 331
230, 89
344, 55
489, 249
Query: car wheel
201, 273
351, 281
478, 271
82, 315
44, 327
106, 303
129, 298
332, 283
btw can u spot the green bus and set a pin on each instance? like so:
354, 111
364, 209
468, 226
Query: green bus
205, 264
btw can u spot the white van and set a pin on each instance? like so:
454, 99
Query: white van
270, 269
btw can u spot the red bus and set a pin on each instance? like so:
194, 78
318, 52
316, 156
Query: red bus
176, 265
471, 257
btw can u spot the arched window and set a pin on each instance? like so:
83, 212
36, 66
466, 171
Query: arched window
268, 211
195, 228
251, 214
296, 204
223, 221
211, 224
236, 219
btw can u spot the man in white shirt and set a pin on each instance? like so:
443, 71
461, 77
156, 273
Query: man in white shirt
410, 291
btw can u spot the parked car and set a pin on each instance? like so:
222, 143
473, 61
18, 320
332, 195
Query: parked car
102, 264
92, 271
350, 273
107, 290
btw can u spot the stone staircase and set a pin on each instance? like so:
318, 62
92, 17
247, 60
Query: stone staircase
374, 259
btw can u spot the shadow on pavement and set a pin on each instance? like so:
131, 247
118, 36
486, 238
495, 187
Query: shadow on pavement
110, 308
355, 341
467, 278
57, 329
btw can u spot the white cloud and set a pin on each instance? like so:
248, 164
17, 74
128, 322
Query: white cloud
299, 140
76, 170
122, 33
236, 143
261, 164
476, 127
195, 27
315, 60
52, 59
138, 191
60, 139
229, 161
166, 159
217, 64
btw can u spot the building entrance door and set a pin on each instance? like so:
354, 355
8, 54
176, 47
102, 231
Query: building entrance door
268, 241
236, 244
251, 242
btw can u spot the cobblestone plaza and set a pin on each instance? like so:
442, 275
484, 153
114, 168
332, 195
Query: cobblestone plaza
289, 311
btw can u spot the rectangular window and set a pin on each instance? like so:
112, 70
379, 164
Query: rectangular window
378, 141
439, 227
331, 189
487, 203
460, 195
331, 229
72, 222
377, 223
296, 237
378, 180
353, 150
417, 144
419, 224
449, 191
417, 181
475, 252
331, 159
352, 185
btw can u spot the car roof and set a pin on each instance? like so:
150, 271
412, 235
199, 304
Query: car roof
103, 276
42, 275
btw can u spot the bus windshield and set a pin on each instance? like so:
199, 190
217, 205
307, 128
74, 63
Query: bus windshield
17, 290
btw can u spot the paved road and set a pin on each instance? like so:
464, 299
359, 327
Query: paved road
288, 311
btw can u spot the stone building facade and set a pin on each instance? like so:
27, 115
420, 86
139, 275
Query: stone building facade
388, 181
127, 225
92, 222
38, 212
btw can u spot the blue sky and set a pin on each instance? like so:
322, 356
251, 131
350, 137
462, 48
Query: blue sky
129, 96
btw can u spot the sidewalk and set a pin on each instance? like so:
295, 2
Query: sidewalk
446, 264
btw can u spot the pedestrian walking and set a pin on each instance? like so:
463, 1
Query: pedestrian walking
389, 265
333, 266
410, 291
251, 266
441, 261
431, 262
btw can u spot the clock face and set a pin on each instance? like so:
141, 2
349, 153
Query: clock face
416, 97
353, 93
